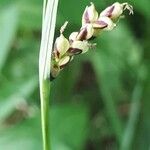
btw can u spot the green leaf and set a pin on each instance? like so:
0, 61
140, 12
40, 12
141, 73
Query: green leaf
25, 135
68, 126
9, 102
8, 27
29, 11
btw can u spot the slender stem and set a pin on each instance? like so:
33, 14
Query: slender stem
108, 100
48, 29
111, 110
45, 93
133, 118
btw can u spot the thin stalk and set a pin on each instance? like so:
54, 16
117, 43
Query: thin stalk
108, 100
111, 110
133, 118
48, 29
45, 94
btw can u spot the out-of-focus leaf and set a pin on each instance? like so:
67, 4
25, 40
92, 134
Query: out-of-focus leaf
25, 54
31, 14
71, 128
8, 103
24, 88
31, 17
8, 27
25, 135
68, 132
142, 139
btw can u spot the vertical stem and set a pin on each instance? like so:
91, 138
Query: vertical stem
48, 29
108, 100
45, 94
134, 112
133, 118
111, 109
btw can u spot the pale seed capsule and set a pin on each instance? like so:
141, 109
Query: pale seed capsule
64, 61
73, 36
116, 10
55, 69
90, 14
103, 24
100, 24
61, 45
105, 20
86, 32
78, 47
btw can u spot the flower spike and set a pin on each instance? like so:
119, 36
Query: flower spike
92, 25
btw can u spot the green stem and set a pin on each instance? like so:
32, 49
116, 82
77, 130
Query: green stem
48, 29
133, 118
111, 110
108, 100
45, 94
134, 111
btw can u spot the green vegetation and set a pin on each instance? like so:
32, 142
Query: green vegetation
99, 101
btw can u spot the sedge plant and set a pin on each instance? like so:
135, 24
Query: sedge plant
54, 57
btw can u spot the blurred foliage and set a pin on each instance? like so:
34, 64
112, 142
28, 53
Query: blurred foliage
100, 101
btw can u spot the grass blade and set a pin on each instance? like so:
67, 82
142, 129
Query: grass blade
7, 32
108, 100
133, 118
48, 29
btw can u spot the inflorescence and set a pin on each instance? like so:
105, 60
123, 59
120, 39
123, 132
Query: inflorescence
93, 24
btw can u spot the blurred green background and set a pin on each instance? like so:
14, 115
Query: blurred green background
101, 101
